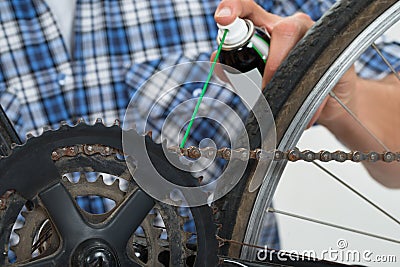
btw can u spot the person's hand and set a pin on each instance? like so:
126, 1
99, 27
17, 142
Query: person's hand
285, 33
331, 111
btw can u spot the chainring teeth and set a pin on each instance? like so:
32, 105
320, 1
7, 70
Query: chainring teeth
34, 219
35, 223
154, 233
48, 130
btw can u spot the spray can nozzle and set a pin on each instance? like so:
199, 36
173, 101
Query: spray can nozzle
238, 31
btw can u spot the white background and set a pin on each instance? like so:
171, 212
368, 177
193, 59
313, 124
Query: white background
307, 191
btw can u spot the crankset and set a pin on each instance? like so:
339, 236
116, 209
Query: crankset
36, 180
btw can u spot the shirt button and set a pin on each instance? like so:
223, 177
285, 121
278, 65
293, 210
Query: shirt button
61, 79
197, 92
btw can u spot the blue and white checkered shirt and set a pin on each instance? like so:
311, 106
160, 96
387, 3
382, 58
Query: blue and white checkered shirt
117, 46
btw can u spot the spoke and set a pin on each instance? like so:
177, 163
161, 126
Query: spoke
374, 46
300, 217
128, 218
64, 214
43, 237
351, 113
357, 193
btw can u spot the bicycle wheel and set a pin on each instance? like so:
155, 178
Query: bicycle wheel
298, 88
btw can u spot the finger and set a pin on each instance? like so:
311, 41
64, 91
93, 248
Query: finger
228, 10
284, 36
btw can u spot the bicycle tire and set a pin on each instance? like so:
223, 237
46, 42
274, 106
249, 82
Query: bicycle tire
293, 83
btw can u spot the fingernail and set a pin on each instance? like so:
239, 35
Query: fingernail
224, 12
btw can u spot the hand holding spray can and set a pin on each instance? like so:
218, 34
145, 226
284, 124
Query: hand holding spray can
246, 47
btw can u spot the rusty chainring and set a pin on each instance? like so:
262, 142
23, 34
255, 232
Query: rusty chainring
146, 248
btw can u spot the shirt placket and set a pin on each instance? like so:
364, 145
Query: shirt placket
43, 73
64, 70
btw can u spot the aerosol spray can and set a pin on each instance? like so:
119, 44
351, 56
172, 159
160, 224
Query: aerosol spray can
245, 48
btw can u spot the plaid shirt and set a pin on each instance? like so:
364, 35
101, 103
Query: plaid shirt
117, 46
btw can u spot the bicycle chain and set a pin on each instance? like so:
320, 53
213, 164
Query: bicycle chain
290, 155
243, 154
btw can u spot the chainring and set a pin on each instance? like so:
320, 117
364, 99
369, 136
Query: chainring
30, 170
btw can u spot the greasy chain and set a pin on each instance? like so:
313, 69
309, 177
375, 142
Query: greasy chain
290, 155
243, 154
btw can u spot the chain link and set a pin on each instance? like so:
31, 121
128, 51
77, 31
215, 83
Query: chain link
88, 150
290, 155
